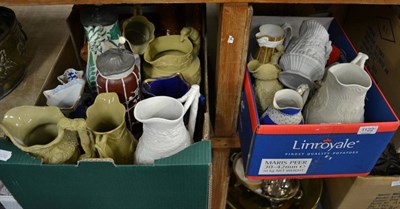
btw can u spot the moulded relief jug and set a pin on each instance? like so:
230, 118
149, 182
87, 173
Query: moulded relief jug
44, 132
341, 98
306, 56
266, 81
170, 54
106, 120
164, 132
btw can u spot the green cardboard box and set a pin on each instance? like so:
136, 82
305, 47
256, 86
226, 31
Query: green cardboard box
178, 182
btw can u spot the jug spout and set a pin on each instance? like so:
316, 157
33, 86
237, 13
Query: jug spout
360, 60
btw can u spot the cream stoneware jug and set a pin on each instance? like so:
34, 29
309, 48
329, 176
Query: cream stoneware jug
106, 120
39, 132
341, 98
164, 132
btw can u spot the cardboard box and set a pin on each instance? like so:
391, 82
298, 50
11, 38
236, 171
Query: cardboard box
315, 150
378, 35
181, 181
363, 192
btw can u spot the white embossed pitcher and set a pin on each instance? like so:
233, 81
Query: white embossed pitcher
341, 98
164, 132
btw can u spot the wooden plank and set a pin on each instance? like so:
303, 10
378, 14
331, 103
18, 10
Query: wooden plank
231, 58
53, 2
220, 178
225, 142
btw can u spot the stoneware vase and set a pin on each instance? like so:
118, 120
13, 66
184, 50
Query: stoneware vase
102, 33
164, 132
12, 49
286, 107
106, 121
139, 32
341, 98
119, 72
38, 131
171, 54
306, 56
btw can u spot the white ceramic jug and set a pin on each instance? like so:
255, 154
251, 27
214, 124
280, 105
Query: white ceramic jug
305, 57
164, 132
341, 98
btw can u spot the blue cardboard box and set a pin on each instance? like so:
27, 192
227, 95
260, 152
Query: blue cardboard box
315, 150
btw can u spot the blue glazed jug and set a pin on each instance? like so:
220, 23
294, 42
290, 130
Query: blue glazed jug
286, 107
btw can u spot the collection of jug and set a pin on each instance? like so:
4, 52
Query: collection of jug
164, 105
293, 85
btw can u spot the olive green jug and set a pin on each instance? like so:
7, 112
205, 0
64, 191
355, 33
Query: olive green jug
46, 133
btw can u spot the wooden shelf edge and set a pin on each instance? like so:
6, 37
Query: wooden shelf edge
225, 142
54, 2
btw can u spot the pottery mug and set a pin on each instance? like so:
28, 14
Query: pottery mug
269, 37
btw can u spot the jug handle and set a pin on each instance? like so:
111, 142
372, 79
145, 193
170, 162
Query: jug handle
194, 37
288, 33
86, 137
191, 99
304, 91
360, 60
101, 145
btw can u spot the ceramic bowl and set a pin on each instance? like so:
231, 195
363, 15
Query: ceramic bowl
238, 170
